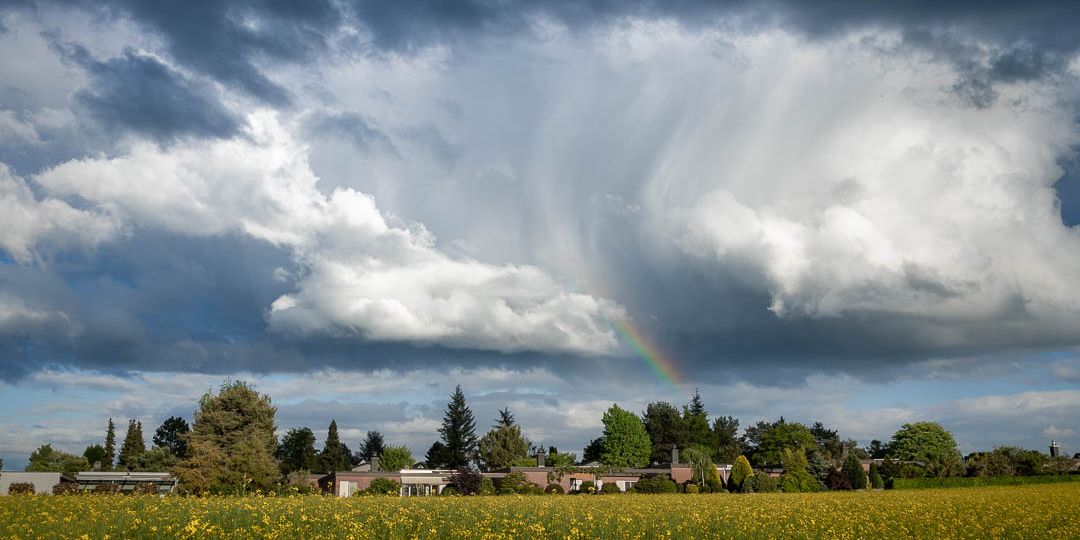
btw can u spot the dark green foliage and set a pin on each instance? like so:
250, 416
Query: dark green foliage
876, 481
157, 459
66, 488
134, 445
626, 444
436, 457
466, 481
666, 429
504, 446
384, 486
46, 459
827, 441
593, 450
110, 447
458, 432
763, 483
838, 480
655, 484
448, 491
21, 488
554, 489
725, 431
296, 451
697, 424
487, 487
587, 487
334, 456
773, 439
876, 449
1007, 461
854, 471
796, 478
610, 488
171, 434
517, 482
960, 482
95, 454
372, 446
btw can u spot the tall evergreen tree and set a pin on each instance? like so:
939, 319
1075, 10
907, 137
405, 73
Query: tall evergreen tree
133, 447
725, 430
506, 418
333, 457
110, 447
666, 429
170, 434
232, 443
696, 420
372, 446
458, 432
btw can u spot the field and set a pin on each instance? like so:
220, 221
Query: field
1033, 511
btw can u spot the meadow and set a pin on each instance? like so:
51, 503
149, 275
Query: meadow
1032, 511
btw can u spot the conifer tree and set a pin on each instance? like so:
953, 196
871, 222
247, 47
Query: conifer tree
740, 472
333, 457
133, 447
504, 444
110, 447
854, 471
372, 446
696, 421
458, 432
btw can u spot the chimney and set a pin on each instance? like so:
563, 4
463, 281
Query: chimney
375, 462
674, 455
540, 457
1055, 450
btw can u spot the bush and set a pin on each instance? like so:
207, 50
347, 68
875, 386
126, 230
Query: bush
466, 481
448, 491
384, 486
610, 488
587, 487
655, 484
146, 488
838, 480
763, 483
875, 477
516, 481
960, 482
487, 487
740, 471
21, 488
853, 470
506, 491
692, 489
66, 488
554, 489
107, 489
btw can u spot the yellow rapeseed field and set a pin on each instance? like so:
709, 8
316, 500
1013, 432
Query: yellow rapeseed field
1036, 511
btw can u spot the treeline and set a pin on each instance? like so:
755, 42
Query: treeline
231, 447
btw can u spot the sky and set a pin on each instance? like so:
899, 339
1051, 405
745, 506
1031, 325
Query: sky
863, 214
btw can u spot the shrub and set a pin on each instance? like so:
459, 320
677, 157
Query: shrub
554, 489
740, 471
384, 486
692, 489
448, 491
655, 484
506, 491
21, 488
587, 487
838, 480
107, 489
875, 477
516, 481
487, 487
146, 488
610, 488
854, 471
796, 479
763, 483
466, 481
66, 488
960, 482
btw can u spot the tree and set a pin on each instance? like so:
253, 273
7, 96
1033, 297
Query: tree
46, 459
703, 471
740, 472
828, 441
436, 457
593, 450
876, 481
779, 436
156, 459
334, 457
696, 420
725, 431
876, 449
626, 443
666, 429
170, 434
928, 444
504, 444
854, 471
296, 451
466, 481
134, 445
232, 443
372, 446
559, 460
110, 447
396, 458
458, 432
796, 478
95, 454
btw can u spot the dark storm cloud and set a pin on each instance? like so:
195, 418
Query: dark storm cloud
139, 93
352, 127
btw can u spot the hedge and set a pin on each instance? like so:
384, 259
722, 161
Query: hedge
980, 481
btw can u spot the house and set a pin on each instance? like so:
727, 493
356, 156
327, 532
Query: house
414, 482
128, 482
43, 482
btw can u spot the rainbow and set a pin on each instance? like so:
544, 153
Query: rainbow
662, 364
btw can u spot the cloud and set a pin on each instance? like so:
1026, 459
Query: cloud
364, 277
